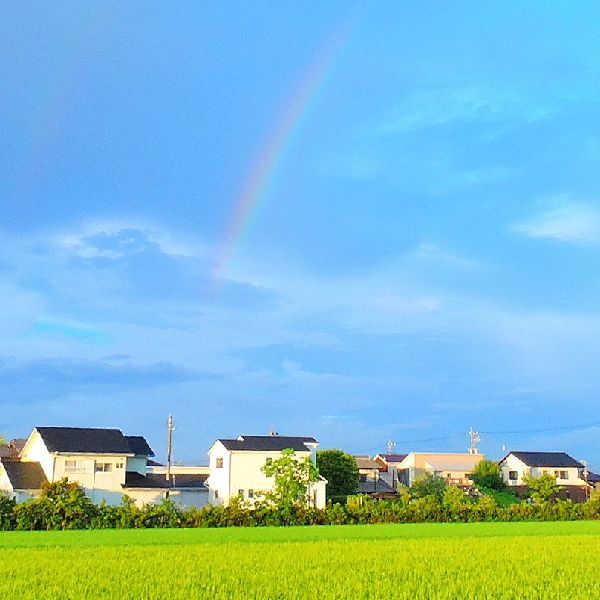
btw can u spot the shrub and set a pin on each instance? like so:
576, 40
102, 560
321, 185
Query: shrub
487, 474
7, 507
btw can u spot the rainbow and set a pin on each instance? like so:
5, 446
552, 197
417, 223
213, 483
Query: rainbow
270, 156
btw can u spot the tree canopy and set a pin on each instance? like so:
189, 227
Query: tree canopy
341, 472
293, 476
487, 474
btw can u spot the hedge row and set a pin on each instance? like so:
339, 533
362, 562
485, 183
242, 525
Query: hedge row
64, 505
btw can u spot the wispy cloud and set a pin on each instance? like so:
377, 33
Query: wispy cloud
568, 221
435, 107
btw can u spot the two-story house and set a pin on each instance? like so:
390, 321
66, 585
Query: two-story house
568, 472
96, 458
235, 466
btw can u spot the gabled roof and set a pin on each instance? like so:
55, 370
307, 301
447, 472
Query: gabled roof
156, 481
545, 459
267, 443
375, 487
256, 438
139, 446
393, 458
366, 462
85, 440
593, 477
24, 475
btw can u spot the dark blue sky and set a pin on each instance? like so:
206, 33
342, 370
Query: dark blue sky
422, 255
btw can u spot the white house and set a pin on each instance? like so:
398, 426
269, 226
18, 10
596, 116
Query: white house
454, 467
236, 466
568, 472
106, 463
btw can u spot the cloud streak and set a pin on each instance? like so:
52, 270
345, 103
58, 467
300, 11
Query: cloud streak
569, 222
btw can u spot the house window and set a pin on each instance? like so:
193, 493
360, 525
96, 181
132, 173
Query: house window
216, 494
241, 493
219, 463
119, 465
250, 494
561, 474
513, 475
74, 466
103, 467
268, 461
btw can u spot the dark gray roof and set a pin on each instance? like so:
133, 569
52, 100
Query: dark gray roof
139, 445
302, 438
546, 459
374, 487
593, 477
266, 443
159, 481
393, 458
93, 440
6, 451
24, 475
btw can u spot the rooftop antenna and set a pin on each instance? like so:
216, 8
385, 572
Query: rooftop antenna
390, 446
170, 428
475, 439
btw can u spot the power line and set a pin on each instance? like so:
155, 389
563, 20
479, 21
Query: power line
506, 432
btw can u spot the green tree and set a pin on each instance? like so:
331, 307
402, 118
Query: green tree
428, 484
487, 474
541, 489
341, 472
293, 476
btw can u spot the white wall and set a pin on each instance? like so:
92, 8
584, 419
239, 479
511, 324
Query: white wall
242, 470
35, 451
512, 463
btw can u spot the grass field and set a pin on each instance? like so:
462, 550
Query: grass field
479, 560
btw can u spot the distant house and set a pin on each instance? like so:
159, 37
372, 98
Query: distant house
455, 467
568, 472
106, 463
370, 481
21, 480
389, 467
235, 466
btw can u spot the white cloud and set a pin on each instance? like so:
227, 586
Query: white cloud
442, 106
573, 222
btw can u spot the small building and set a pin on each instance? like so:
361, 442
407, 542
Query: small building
370, 481
21, 480
235, 466
568, 472
389, 464
455, 467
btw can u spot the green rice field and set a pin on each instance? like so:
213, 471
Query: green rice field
478, 560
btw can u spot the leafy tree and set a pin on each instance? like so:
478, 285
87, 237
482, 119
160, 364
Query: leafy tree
293, 477
487, 474
541, 489
428, 484
62, 505
341, 472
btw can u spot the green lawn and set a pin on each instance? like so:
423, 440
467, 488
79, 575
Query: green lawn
479, 560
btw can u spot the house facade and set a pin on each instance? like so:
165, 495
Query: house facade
568, 472
455, 467
235, 467
106, 463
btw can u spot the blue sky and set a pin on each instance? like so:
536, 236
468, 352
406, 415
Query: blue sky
424, 257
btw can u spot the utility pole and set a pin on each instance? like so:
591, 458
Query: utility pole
170, 429
475, 439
